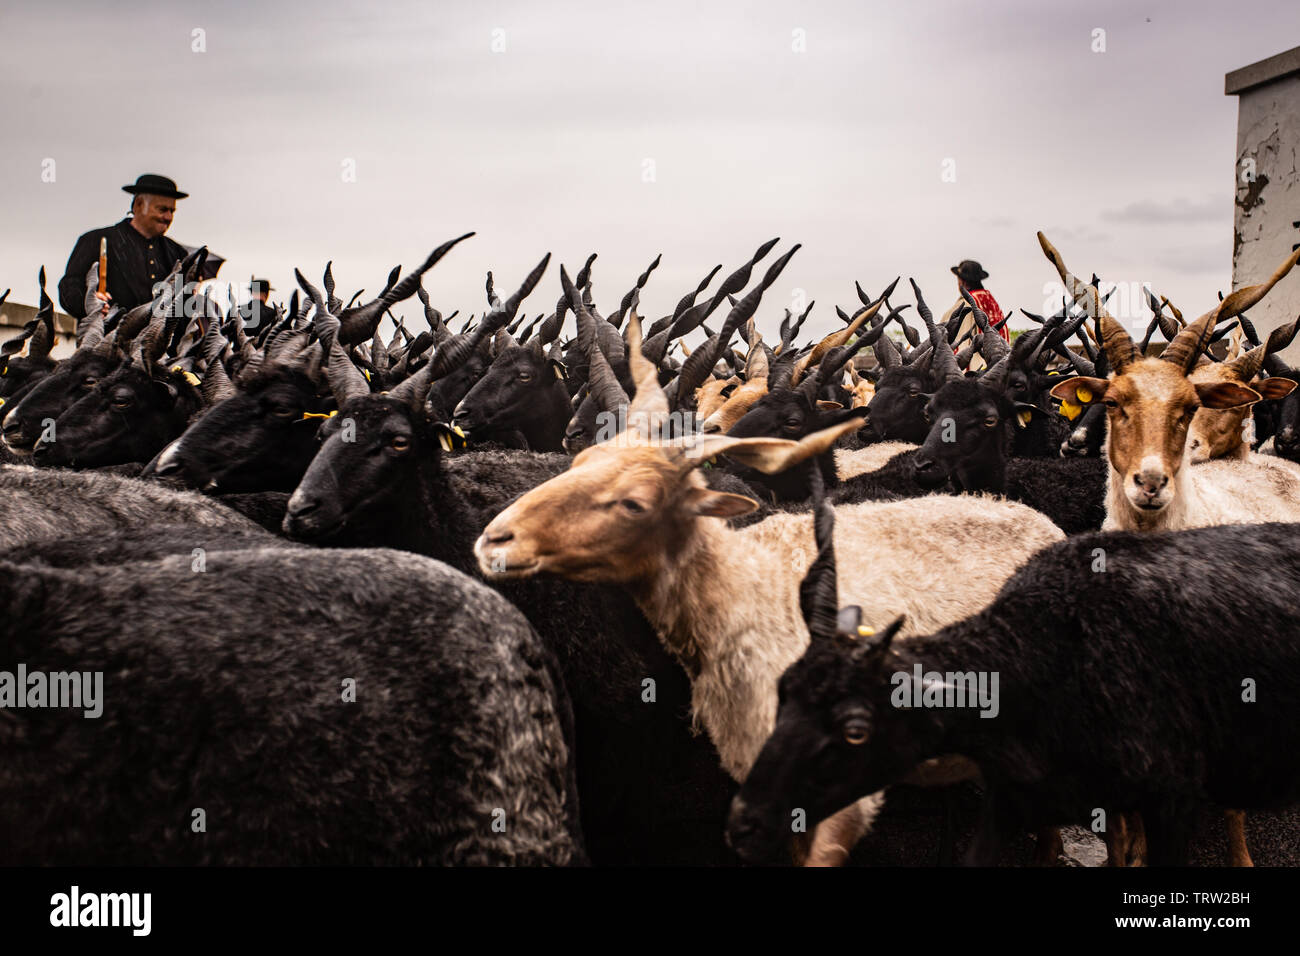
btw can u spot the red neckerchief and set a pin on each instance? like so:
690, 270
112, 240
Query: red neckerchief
989, 306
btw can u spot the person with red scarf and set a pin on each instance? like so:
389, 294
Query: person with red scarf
970, 276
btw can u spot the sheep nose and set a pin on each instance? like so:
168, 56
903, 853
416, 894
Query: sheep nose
710, 428
298, 507
742, 824
498, 535
923, 465
12, 426
1151, 483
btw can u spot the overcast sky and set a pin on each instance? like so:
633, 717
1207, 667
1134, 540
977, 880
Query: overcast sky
696, 130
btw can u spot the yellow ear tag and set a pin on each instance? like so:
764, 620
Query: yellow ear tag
1025, 417
558, 373
1070, 410
865, 630
445, 441
191, 378
1084, 395
366, 373
456, 429
2, 401
307, 415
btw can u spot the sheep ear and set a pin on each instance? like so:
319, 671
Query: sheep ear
1081, 390
828, 406
558, 369
772, 455
165, 389
718, 504
1025, 413
1273, 388
1225, 394
870, 648
449, 437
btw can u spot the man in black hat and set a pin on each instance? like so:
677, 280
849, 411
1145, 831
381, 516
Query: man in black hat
259, 311
139, 254
970, 276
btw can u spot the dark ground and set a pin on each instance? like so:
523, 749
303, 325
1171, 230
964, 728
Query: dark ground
906, 833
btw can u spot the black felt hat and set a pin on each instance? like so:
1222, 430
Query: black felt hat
155, 185
968, 270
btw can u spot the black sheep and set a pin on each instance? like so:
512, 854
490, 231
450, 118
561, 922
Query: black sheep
652, 792
448, 748
971, 434
46, 503
1111, 695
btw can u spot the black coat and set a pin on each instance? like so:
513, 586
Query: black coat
134, 265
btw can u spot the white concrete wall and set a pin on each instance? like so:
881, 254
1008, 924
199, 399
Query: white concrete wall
13, 317
1268, 131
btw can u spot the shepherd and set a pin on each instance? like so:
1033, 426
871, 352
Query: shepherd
970, 276
139, 253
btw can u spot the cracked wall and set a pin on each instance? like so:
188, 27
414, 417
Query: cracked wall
1268, 199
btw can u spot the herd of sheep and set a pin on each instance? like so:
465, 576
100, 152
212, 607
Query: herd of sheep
503, 595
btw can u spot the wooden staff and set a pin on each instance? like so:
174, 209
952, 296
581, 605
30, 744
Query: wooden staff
103, 267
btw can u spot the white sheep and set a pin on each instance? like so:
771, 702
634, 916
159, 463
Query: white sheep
726, 601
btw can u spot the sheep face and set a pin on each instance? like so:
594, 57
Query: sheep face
364, 452
19, 372
971, 428
260, 439
863, 391
581, 430
896, 412
445, 393
521, 390
713, 394
1219, 433
790, 414
1150, 407
51, 396
1286, 440
128, 416
734, 407
614, 516
838, 737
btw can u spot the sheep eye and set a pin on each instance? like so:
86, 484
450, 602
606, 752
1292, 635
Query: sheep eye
399, 443
991, 421
633, 506
525, 376
89, 382
855, 732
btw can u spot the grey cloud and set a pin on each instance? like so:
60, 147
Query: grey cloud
1215, 209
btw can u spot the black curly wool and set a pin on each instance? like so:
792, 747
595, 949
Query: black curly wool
454, 727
